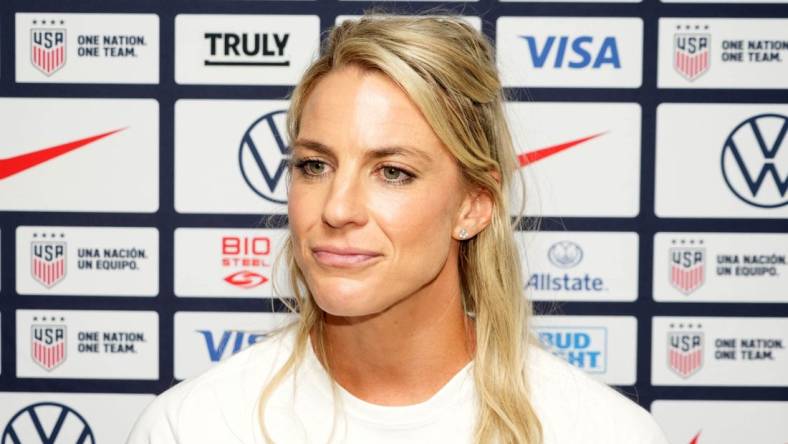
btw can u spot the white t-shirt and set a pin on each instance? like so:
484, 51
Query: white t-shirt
220, 407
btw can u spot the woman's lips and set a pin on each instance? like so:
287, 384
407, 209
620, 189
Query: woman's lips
343, 257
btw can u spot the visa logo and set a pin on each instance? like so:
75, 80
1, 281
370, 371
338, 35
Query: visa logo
218, 346
573, 52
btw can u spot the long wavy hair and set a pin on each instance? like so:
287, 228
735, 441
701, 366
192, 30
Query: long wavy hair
448, 70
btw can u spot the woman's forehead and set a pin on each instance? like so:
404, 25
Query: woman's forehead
365, 106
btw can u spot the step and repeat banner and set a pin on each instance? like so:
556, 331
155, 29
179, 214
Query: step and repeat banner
143, 150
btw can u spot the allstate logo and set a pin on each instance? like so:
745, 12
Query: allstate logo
263, 157
751, 166
47, 422
565, 254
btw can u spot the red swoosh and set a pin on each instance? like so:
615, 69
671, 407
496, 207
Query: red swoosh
695, 439
17, 164
530, 157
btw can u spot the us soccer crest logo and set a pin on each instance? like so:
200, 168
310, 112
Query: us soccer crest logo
48, 263
685, 352
691, 53
48, 49
48, 345
687, 267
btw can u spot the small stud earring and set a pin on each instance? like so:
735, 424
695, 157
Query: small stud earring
463, 234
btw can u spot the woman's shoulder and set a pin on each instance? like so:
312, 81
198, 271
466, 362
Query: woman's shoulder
574, 407
219, 401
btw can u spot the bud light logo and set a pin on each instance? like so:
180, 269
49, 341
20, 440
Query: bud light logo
583, 347
751, 166
263, 157
48, 422
573, 52
229, 342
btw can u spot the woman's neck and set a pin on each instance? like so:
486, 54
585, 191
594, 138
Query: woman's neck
406, 353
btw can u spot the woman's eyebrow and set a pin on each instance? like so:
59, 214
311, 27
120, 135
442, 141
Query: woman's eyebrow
373, 153
388, 151
314, 146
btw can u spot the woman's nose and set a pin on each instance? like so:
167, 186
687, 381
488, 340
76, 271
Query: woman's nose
345, 203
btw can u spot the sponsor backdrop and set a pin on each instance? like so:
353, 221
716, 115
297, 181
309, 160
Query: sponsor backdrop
143, 200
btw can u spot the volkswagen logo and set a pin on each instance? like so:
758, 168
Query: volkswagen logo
47, 422
751, 166
263, 156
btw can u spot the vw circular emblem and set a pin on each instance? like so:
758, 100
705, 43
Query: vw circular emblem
47, 422
565, 254
751, 166
263, 156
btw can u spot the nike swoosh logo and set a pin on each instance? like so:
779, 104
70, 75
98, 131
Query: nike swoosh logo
22, 162
530, 157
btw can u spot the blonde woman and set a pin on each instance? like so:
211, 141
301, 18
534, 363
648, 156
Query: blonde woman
412, 324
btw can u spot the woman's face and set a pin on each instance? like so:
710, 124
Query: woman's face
375, 197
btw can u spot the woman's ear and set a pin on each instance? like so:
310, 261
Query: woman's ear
475, 214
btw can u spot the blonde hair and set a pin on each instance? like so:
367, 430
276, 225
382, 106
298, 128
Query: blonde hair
448, 70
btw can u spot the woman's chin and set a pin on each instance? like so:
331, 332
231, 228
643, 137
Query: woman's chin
345, 305
346, 302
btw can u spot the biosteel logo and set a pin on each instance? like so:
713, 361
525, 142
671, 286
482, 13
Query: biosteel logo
250, 254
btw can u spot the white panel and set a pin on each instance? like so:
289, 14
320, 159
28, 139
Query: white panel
719, 351
570, 51
79, 155
102, 417
96, 344
205, 338
216, 168
722, 422
100, 261
603, 346
244, 49
720, 267
579, 266
698, 173
585, 158
723, 53
87, 48
226, 262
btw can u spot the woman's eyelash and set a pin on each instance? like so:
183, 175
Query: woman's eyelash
384, 169
306, 166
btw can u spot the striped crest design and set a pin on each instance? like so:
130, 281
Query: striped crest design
48, 49
685, 352
48, 262
691, 54
48, 345
687, 268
